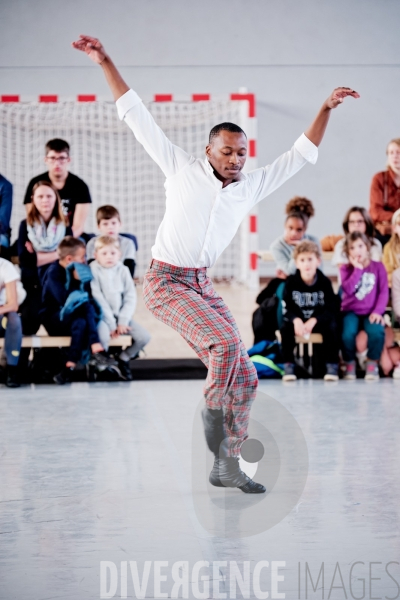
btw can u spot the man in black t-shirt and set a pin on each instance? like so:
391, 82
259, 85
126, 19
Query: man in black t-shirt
74, 192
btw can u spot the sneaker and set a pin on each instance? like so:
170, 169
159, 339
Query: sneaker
371, 370
350, 372
12, 380
362, 359
396, 372
125, 369
332, 371
64, 376
289, 372
101, 361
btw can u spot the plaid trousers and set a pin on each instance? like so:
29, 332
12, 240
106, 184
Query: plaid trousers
185, 300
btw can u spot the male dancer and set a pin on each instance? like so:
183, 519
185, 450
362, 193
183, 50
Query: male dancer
206, 200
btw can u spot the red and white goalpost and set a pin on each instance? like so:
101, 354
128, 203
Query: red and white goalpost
117, 169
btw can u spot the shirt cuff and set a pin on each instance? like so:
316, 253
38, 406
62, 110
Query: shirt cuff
307, 149
126, 102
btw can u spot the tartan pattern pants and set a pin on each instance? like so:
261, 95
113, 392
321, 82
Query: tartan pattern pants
185, 300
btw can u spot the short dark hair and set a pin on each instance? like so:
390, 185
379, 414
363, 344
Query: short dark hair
69, 246
224, 127
353, 237
57, 145
107, 212
369, 224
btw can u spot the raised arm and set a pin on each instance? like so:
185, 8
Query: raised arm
170, 158
316, 131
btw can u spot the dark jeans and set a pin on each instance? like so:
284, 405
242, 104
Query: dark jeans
351, 325
11, 330
330, 345
81, 326
30, 308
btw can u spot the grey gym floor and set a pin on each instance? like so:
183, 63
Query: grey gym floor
102, 472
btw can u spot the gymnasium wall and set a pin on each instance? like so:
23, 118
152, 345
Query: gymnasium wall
291, 54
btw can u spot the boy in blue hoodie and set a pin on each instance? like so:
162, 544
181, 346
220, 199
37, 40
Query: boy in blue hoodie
63, 283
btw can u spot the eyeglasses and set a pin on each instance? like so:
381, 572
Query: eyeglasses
59, 159
358, 222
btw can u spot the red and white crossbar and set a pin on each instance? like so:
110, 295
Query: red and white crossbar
249, 267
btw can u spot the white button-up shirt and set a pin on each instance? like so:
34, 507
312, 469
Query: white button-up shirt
202, 217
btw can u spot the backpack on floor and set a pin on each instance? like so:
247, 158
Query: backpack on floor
267, 359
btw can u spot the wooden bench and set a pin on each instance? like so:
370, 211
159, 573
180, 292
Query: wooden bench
42, 340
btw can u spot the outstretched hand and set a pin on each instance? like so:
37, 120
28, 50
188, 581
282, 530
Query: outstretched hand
92, 46
338, 95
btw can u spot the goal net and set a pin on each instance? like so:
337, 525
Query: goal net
107, 157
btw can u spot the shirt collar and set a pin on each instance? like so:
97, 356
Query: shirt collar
241, 177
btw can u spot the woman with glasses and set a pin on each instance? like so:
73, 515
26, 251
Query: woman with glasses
357, 219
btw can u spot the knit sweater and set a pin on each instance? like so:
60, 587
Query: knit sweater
114, 290
365, 291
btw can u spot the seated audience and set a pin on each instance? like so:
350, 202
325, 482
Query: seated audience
74, 193
12, 294
6, 194
391, 251
364, 299
68, 307
298, 212
385, 192
38, 239
357, 219
114, 290
109, 224
310, 306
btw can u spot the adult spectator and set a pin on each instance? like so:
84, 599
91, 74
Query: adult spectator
39, 236
357, 219
74, 193
385, 192
6, 192
298, 212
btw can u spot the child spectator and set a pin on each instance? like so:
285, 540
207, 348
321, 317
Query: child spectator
109, 224
391, 251
39, 235
12, 294
114, 290
357, 219
80, 323
385, 192
364, 300
310, 305
298, 212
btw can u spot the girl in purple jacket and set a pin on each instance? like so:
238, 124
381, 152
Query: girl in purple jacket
364, 300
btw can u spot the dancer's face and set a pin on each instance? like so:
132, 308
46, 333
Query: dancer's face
227, 154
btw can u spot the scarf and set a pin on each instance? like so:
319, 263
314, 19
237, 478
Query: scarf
46, 238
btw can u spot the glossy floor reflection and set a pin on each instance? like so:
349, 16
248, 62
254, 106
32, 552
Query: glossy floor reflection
103, 472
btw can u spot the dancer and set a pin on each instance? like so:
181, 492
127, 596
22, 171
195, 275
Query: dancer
206, 202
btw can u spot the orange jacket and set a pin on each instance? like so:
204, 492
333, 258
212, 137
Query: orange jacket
384, 197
